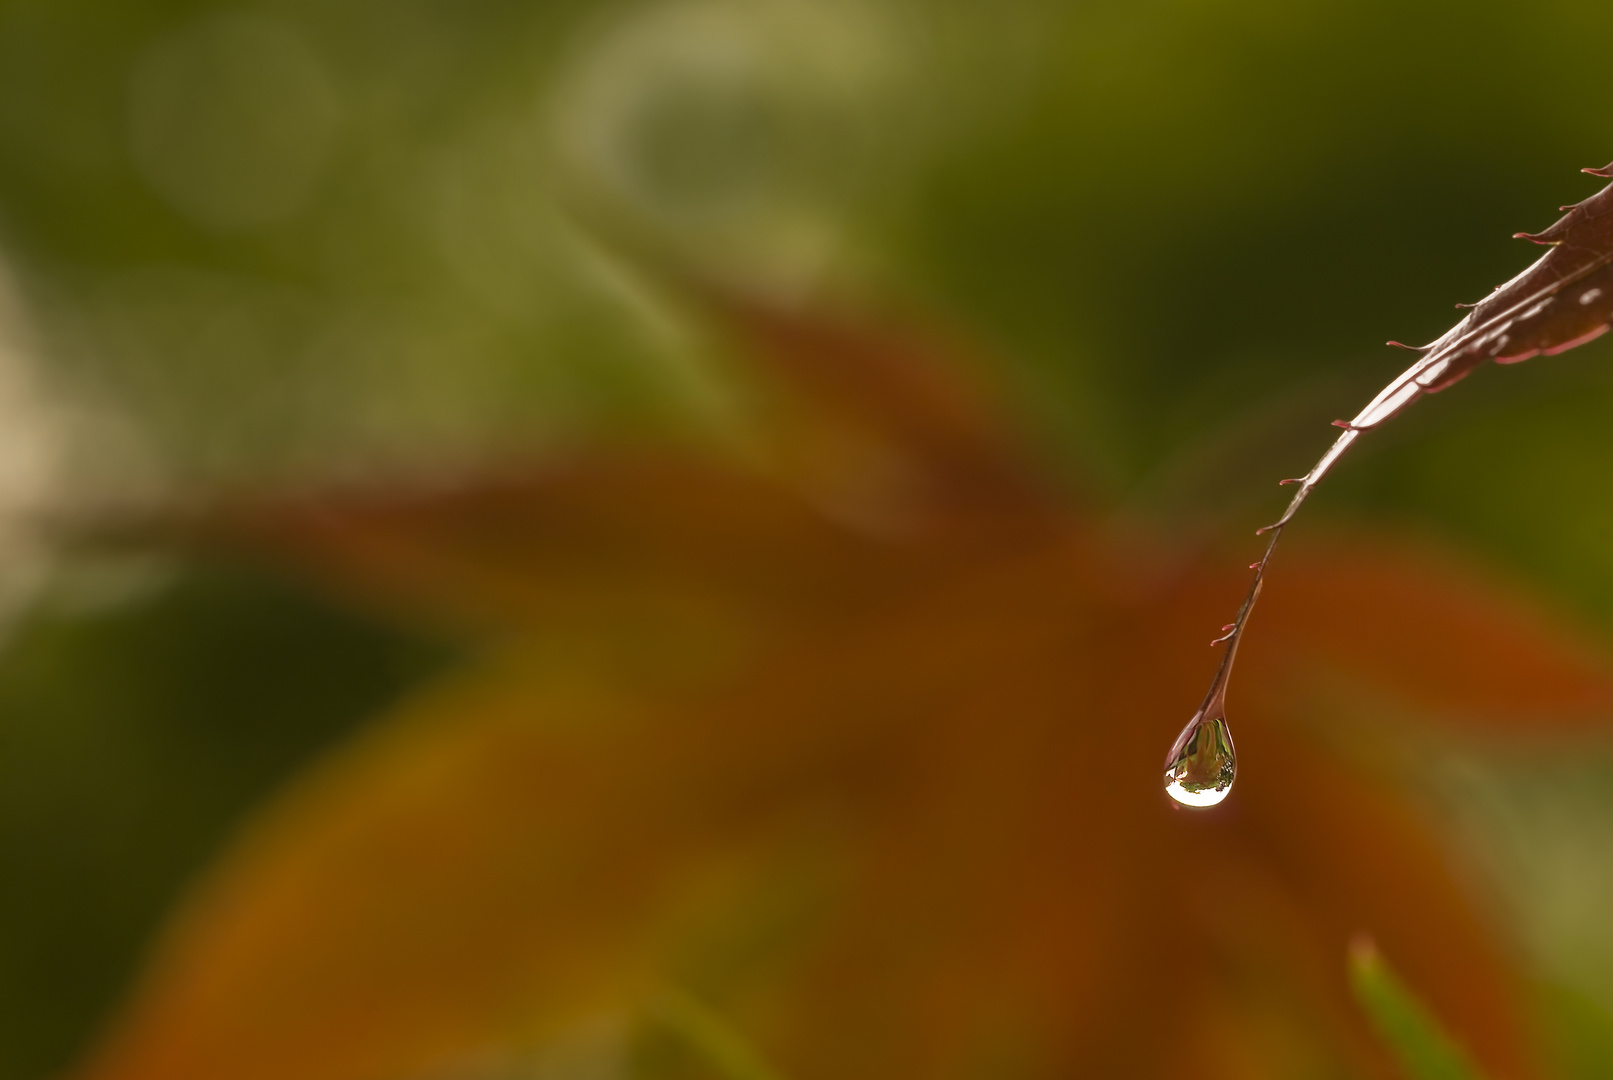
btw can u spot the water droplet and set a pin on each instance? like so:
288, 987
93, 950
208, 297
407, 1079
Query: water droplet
1202, 764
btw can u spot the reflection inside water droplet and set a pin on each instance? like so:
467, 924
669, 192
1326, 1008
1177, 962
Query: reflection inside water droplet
1201, 765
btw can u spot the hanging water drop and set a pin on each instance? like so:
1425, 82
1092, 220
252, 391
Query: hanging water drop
1202, 764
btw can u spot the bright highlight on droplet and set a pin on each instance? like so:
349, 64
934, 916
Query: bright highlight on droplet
1202, 764
1209, 797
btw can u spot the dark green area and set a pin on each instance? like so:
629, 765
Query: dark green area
132, 741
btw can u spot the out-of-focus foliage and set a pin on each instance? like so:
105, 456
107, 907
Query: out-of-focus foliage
293, 242
1423, 1049
885, 791
146, 709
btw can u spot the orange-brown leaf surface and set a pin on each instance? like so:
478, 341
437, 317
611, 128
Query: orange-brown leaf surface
882, 786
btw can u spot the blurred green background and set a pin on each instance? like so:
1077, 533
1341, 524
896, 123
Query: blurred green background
302, 242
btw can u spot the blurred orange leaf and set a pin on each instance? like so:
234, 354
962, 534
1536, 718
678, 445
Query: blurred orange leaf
882, 787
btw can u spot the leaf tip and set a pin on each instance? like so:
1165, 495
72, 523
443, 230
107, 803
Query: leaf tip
1363, 954
1606, 171
1409, 1030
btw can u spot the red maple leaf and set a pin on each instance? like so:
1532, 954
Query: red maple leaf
860, 747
